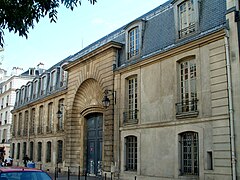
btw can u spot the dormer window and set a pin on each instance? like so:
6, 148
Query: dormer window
133, 42
133, 36
53, 81
187, 17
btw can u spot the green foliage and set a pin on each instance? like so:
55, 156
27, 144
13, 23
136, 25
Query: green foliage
20, 15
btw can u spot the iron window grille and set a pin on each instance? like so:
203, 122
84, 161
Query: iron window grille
131, 153
189, 154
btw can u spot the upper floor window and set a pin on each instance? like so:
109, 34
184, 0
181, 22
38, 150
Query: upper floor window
35, 89
187, 17
134, 31
40, 120
43, 84
28, 91
188, 90
131, 153
189, 153
53, 80
61, 117
23, 94
32, 121
7, 101
133, 42
132, 100
63, 77
49, 127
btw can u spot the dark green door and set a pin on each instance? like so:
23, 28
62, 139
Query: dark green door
94, 144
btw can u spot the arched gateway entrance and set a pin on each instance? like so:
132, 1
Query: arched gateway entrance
94, 143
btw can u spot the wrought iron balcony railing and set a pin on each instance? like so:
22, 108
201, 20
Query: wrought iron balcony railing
187, 107
130, 117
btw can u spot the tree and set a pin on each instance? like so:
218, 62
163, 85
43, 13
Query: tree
20, 15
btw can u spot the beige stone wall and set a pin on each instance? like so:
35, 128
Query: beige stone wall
158, 127
44, 137
88, 78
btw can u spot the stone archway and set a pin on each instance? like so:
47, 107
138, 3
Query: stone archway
87, 100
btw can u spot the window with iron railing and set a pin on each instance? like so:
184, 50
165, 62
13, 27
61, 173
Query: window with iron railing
186, 14
188, 91
130, 117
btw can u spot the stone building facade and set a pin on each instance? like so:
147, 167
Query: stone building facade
171, 78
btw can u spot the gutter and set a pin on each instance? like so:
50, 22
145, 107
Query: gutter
230, 99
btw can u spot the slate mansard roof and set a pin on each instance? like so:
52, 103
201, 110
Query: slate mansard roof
160, 32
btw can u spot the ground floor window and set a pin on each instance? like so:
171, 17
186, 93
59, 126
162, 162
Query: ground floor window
131, 153
189, 153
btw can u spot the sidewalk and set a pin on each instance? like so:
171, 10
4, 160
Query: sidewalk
74, 177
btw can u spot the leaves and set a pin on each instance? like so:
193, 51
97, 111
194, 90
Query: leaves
20, 15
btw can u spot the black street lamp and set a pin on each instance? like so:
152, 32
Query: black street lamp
106, 100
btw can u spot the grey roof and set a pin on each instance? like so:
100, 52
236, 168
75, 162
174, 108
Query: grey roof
159, 34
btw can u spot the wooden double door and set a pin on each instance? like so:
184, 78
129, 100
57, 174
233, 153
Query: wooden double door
94, 144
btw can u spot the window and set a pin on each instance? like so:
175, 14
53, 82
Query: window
31, 151
39, 152
188, 91
131, 153
53, 81
50, 118
24, 152
32, 121
6, 117
63, 77
40, 120
133, 42
35, 89
132, 102
59, 151
61, 118
48, 152
186, 18
20, 124
43, 85
25, 130
7, 103
23, 95
28, 92
189, 153
14, 125
13, 150
18, 151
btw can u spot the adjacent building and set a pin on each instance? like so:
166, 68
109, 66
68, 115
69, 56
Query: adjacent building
156, 99
8, 87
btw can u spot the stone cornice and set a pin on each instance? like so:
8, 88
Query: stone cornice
111, 44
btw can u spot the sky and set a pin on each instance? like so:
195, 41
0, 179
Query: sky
50, 43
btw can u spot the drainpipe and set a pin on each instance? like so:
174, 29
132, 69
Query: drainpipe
230, 99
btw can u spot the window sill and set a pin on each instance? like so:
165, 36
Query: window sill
187, 115
130, 122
